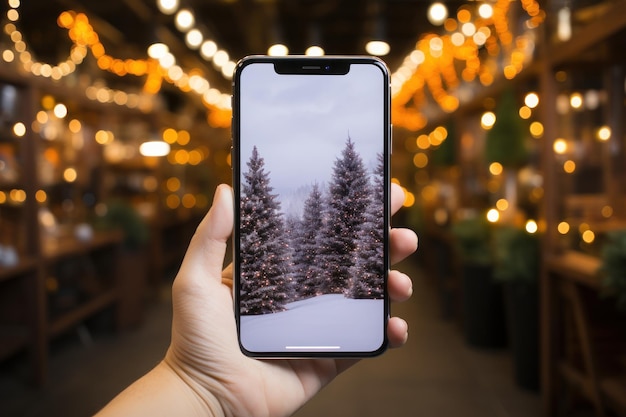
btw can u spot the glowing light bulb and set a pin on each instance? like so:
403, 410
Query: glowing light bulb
531, 100
184, 20
194, 38
168, 6
377, 48
437, 13
314, 51
278, 50
154, 148
208, 49
487, 120
485, 11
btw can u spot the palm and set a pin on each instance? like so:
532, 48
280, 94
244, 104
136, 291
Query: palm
249, 386
205, 350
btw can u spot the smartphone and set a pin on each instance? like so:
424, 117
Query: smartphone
311, 145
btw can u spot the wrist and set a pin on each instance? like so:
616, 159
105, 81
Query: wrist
204, 401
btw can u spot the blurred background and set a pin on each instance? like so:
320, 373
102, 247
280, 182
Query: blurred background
508, 138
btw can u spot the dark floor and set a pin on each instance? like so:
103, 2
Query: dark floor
435, 374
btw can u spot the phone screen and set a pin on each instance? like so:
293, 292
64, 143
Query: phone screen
310, 163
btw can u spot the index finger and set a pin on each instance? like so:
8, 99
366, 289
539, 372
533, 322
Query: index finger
397, 197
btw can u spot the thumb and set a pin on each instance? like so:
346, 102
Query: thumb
205, 255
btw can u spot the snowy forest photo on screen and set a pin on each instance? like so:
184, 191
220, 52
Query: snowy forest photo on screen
335, 246
311, 211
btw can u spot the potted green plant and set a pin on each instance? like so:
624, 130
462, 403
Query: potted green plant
506, 143
482, 300
516, 264
613, 267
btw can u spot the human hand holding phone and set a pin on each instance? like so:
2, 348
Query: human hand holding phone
204, 371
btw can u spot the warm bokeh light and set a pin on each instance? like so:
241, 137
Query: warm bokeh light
422, 142
170, 136
409, 199
194, 39
208, 49
158, 50
19, 129
183, 137
487, 120
525, 112
42, 117
60, 110
75, 126
495, 168
314, 51
70, 174
437, 13
536, 129
563, 228
188, 201
607, 212
420, 160
588, 236
560, 146
377, 48
493, 215
531, 226
17, 195
485, 10
41, 196
184, 20
278, 49
104, 137
48, 102
576, 100
168, 6
569, 166
172, 184
154, 148
531, 100
172, 201
604, 133
502, 204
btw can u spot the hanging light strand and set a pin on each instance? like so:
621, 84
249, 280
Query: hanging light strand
433, 64
85, 39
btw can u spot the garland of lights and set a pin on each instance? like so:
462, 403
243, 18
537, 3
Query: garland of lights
430, 66
86, 39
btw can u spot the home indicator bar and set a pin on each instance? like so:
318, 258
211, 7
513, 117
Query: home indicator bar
312, 347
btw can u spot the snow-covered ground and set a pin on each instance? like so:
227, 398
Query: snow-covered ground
327, 323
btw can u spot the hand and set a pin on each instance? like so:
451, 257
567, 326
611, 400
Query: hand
204, 371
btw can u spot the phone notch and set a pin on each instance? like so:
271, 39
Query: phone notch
312, 66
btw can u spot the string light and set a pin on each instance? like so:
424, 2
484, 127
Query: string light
431, 66
85, 39
436, 69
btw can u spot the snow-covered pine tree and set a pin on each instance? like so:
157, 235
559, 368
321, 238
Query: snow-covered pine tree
264, 264
367, 274
347, 199
293, 225
306, 268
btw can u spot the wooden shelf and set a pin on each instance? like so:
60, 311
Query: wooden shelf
24, 266
603, 27
83, 311
54, 250
576, 266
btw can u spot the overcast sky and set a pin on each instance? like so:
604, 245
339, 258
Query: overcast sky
300, 123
